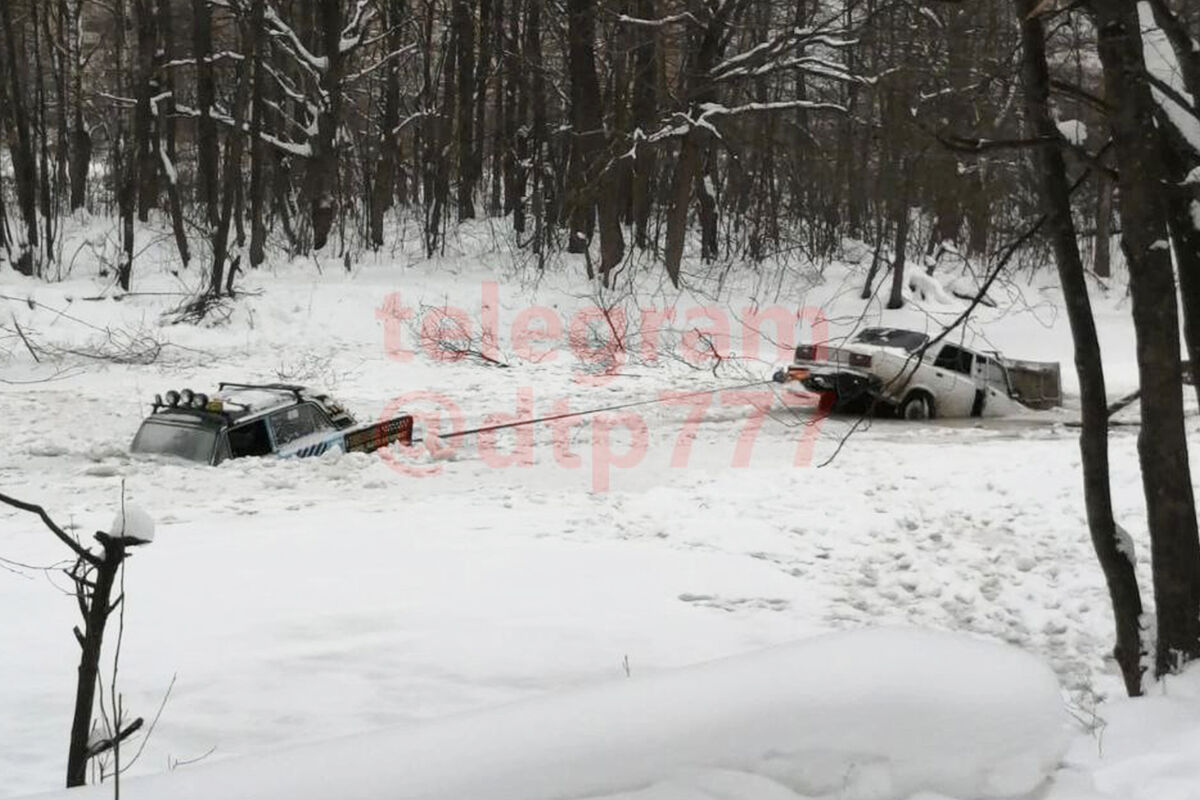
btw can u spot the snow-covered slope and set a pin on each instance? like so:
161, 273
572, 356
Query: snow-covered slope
868, 715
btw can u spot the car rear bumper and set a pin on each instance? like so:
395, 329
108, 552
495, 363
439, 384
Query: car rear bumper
847, 385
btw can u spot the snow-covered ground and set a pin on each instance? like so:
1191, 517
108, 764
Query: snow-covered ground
295, 601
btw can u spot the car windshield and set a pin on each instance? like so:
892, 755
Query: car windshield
892, 337
193, 442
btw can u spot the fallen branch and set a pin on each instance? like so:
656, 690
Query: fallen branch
25, 339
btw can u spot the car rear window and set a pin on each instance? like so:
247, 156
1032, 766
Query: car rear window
892, 337
192, 442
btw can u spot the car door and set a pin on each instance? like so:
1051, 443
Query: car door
991, 380
249, 439
951, 374
295, 429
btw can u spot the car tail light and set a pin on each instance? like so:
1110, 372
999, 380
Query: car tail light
805, 352
860, 360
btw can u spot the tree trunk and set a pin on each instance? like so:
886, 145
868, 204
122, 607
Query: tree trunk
1117, 563
42, 126
79, 145
165, 133
323, 166
1180, 200
645, 109
489, 20
207, 157
517, 88
1162, 443
464, 37
532, 52
510, 118
145, 142
125, 163
597, 189
686, 167
250, 34
383, 189
1180, 158
21, 149
1102, 260
91, 644
896, 297
693, 164
258, 150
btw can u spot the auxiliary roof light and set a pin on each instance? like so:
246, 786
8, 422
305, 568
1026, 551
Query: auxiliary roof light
200, 400
186, 397
172, 398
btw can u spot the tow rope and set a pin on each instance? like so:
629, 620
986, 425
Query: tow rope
617, 407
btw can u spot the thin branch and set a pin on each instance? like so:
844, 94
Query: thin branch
33, 508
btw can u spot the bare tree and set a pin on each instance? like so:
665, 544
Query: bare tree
93, 575
1113, 548
1162, 446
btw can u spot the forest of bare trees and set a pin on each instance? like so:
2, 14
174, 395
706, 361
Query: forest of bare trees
302, 125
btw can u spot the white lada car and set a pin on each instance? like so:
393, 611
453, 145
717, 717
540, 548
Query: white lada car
900, 370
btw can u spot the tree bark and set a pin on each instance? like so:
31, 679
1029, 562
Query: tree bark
900, 257
464, 36
81, 140
144, 137
1180, 158
595, 186
383, 188
693, 164
1116, 561
1102, 261
258, 150
250, 33
323, 166
207, 156
645, 109
1180, 199
1162, 443
125, 162
21, 148
91, 644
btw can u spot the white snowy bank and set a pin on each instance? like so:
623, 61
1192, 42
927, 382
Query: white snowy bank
1139, 749
864, 715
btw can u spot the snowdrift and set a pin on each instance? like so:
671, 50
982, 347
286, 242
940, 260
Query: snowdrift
867, 715
1145, 748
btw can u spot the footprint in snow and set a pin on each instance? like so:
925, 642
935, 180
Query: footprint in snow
735, 603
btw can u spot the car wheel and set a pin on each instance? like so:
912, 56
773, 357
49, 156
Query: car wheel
917, 405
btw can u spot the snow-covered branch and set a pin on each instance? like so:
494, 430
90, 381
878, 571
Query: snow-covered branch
280, 28
661, 22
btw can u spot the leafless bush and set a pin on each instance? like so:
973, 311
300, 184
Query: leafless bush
125, 345
204, 307
453, 338
310, 369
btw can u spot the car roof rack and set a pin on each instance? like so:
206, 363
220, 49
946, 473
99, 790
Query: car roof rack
296, 390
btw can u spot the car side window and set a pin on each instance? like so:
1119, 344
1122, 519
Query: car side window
293, 423
250, 439
954, 358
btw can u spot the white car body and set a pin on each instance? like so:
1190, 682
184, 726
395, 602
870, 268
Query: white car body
895, 366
